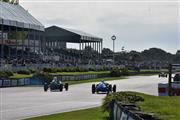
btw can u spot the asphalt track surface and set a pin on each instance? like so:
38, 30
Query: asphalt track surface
24, 102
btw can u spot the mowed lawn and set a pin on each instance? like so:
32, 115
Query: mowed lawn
167, 108
20, 76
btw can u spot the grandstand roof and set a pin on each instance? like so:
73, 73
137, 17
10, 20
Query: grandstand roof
15, 15
69, 35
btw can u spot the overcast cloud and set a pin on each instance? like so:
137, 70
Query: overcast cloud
137, 25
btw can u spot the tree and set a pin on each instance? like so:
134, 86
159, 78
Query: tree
135, 56
177, 57
107, 53
155, 54
5, 0
178, 52
11, 1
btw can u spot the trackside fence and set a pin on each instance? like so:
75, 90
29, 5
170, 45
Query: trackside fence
81, 77
121, 111
38, 81
14, 83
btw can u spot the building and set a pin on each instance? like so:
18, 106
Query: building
21, 35
57, 38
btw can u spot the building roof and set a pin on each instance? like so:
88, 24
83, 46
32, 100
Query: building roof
15, 15
69, 35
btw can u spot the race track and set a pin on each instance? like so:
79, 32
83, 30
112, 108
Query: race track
23, 102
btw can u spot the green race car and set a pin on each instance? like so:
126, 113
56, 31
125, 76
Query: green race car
56, 85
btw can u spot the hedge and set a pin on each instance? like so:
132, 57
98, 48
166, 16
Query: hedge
6, 74
25, 72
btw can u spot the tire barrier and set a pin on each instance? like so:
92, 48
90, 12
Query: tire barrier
14, 83
121, 111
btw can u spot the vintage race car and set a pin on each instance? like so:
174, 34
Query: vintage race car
103, 87
56, 85
162, 74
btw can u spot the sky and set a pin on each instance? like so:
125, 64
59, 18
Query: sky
137, 25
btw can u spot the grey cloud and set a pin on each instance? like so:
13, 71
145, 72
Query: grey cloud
136, 26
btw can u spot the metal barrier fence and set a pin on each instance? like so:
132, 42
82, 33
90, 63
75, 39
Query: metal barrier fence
37, 81
81, 77
14, 83
120, 111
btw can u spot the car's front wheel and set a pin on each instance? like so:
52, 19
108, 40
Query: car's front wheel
45, 87
110, 87
93, 88
61, 87
66, 86
114, 88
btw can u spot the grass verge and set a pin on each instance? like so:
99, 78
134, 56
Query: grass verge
168, 108
164, 107
19, 76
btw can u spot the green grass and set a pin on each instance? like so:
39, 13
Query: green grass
168, 108
71, 82
87, 114
19, 76
141, 74
79, 73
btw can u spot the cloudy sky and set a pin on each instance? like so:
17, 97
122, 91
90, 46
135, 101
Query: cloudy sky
138, 25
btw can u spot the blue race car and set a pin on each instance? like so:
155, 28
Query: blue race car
103, 87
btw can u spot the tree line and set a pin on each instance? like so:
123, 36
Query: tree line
11, 1
152, 54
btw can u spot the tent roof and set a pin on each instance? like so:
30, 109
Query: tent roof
69, 35
15, 15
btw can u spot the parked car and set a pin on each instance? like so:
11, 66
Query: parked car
103, 87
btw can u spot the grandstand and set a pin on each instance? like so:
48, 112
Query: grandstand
21, 35
56, 39
24, 40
